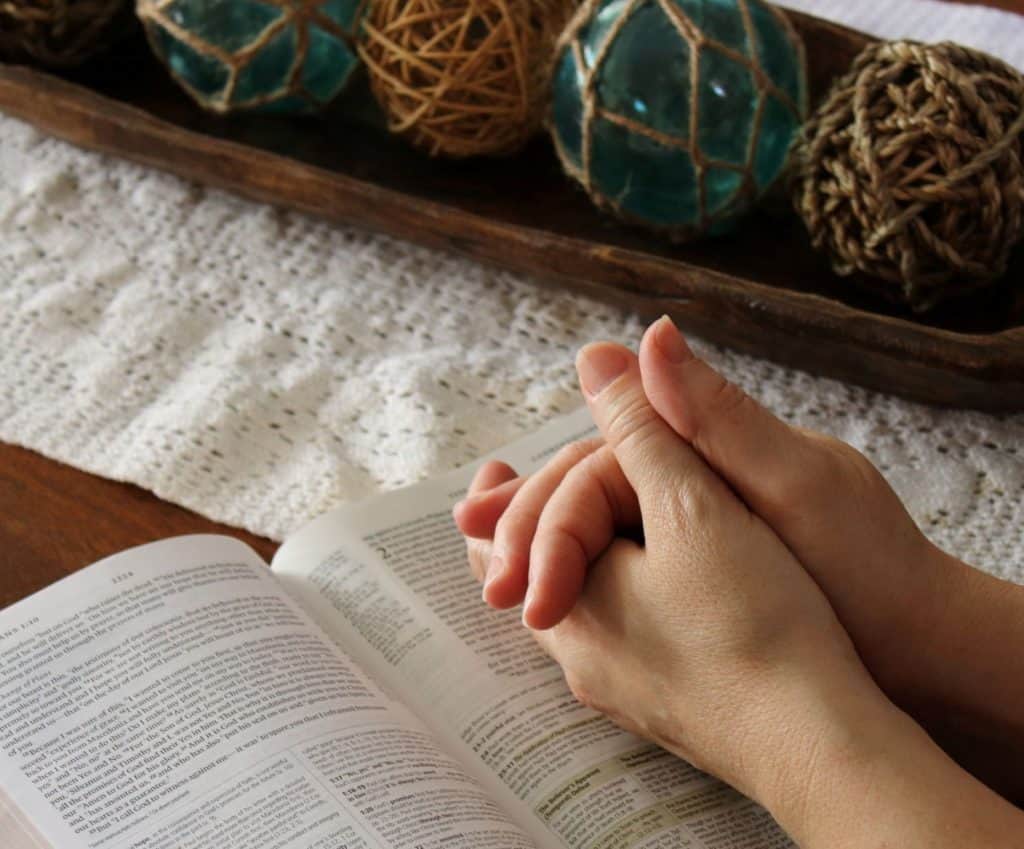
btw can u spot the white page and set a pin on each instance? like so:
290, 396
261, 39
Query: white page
174, 697
388, 577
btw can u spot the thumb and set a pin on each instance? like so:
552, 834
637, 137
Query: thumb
758, 454
651, 454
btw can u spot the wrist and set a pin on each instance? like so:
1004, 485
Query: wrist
869, 776
962, 653
831, 731
788, 714
919, 610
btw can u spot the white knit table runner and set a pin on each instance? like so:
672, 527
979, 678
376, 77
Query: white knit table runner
260, 366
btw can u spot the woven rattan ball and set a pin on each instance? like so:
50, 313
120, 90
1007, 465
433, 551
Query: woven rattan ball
463, 77
59, 33
910, 170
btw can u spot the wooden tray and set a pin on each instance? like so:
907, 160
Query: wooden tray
762, 290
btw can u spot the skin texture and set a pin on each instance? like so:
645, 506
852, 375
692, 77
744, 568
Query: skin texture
937, 635
715, 637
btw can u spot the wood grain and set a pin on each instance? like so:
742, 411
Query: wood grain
54, 520
762, 290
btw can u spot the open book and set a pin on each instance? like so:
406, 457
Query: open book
356, 694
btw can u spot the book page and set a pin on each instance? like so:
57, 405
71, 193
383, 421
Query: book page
174, 697
389, 578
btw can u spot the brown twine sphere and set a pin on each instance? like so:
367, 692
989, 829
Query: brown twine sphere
910, 170
59, 33
463, 77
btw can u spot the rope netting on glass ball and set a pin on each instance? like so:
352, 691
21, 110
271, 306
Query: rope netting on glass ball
270, 55
720, 127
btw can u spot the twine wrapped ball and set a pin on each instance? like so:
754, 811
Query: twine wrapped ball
910, 170
59, 33
267, 55
677, 114
463, 77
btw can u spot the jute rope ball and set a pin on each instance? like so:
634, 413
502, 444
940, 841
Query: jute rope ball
462, 77
910, 171
59, 33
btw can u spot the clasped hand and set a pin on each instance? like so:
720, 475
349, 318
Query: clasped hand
721, 583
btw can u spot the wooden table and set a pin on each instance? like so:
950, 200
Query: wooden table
55, 519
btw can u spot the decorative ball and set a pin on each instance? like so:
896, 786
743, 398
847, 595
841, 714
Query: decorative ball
910, 170
677, 114
271, 55
59, 33
462, 77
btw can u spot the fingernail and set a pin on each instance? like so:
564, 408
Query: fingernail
670, 341
598, 365
527, 603
491, 570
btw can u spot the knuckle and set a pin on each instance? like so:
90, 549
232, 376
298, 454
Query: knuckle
632, 424
856, 465
606, 477
725, 401
586, 478
702, 506
575, 452
518, 520
692, 506
828, 466
564, 536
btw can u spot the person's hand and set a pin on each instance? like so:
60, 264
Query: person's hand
888, 584
712, 640
709, 638
542, 532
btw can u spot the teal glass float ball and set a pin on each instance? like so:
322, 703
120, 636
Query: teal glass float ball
677, 114
271, 55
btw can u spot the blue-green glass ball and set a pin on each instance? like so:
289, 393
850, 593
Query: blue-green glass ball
269, 55
678, 114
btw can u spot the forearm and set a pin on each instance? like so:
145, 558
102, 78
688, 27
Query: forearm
872, 778
964, 673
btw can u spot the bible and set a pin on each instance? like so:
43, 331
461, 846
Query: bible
356, 694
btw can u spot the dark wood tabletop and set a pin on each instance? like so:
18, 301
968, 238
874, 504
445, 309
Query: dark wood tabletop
55, 519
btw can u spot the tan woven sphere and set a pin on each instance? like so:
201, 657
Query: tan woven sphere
910, 171
463, 77
59, 33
